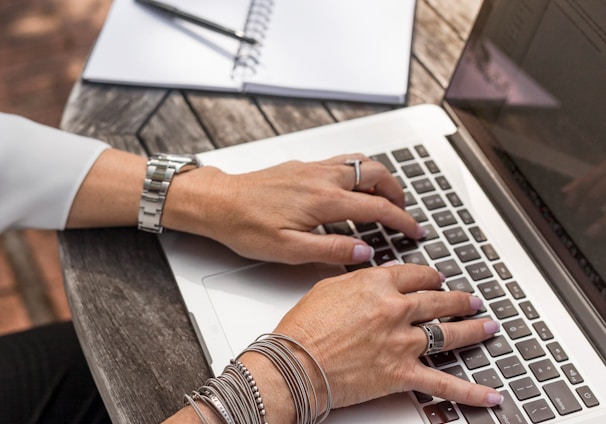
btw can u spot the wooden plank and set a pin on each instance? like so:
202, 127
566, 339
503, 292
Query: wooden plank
343, 111
423, 87
288, 115
173, 128
436, 45
96, 109
139, 339
229, 118
458, 14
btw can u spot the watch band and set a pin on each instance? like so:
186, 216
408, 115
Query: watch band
161, 168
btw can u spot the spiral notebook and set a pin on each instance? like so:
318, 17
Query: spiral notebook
337, 50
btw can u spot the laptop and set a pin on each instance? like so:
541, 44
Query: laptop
508, 176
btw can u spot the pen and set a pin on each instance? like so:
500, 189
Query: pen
173, 11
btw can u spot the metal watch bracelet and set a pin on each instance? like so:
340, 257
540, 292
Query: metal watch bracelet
161, 168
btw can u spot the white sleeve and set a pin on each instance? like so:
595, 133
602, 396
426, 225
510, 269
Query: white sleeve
41, 170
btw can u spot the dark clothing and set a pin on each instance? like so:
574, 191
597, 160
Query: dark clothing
44, 378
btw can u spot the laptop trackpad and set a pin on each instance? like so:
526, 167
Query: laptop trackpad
251, 300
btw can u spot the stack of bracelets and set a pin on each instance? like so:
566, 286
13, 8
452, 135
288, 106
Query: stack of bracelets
234, 395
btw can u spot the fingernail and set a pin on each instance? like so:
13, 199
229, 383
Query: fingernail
494, 398
421, 232
475, 303
442, 276
391, 263
491, 327
362, 252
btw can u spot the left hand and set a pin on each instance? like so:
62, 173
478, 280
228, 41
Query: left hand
269, 214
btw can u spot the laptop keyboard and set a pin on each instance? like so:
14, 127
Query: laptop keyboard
524, 361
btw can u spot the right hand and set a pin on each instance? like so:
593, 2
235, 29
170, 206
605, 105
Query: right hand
361, 328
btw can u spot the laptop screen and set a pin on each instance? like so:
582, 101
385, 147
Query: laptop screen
531, 89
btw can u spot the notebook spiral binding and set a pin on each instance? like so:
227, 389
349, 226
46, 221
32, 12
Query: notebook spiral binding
257, 22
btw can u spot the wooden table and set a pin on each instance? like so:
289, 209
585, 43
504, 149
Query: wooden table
125, 303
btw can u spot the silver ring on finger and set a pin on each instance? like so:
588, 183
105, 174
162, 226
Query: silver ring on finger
356, 163
435, 338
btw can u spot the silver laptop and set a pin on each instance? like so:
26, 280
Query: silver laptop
509, 178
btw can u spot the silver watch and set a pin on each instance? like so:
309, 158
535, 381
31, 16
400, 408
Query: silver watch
161, 168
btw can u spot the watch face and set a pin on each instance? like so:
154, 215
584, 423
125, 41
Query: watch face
181, 163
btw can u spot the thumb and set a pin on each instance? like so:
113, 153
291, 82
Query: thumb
333, 248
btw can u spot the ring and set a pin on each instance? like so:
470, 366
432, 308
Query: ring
358, 170
435, 338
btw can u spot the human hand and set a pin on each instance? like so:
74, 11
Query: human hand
587, 196
361, 328
269, 214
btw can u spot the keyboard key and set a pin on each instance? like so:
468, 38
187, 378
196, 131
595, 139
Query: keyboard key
433, 201
342, 228
529, 310
490, 253
448, 268
515, 290
542, 330
432, 167
430, 232
384, 159
530, 349
524, 388
444, 219
375, 240
497, 346
503, 309
401, 181
413, 170
443, 358
516, 328
409, 199
415, 258
404, 244
511, 366
491, 289
474, 358
421, 151
443, 183
383, 256
488, 378
422, 397
417, 214
570, 371
544, 370
436, 250
475, 415
465, 216
587, 396
455, 235
478, 271
442, 412
456, 371
402, 155
363, 227
503, 271
423, 186
539, 411
454, 199
460, 284
557, 352
562, 398
477, 234
508, 412
467, 253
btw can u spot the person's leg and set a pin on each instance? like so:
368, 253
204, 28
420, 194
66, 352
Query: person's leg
44, 378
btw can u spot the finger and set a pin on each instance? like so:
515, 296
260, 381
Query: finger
462, 333
438, 304
362, 207
446, 386
411, 278
329, 248
376, 179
